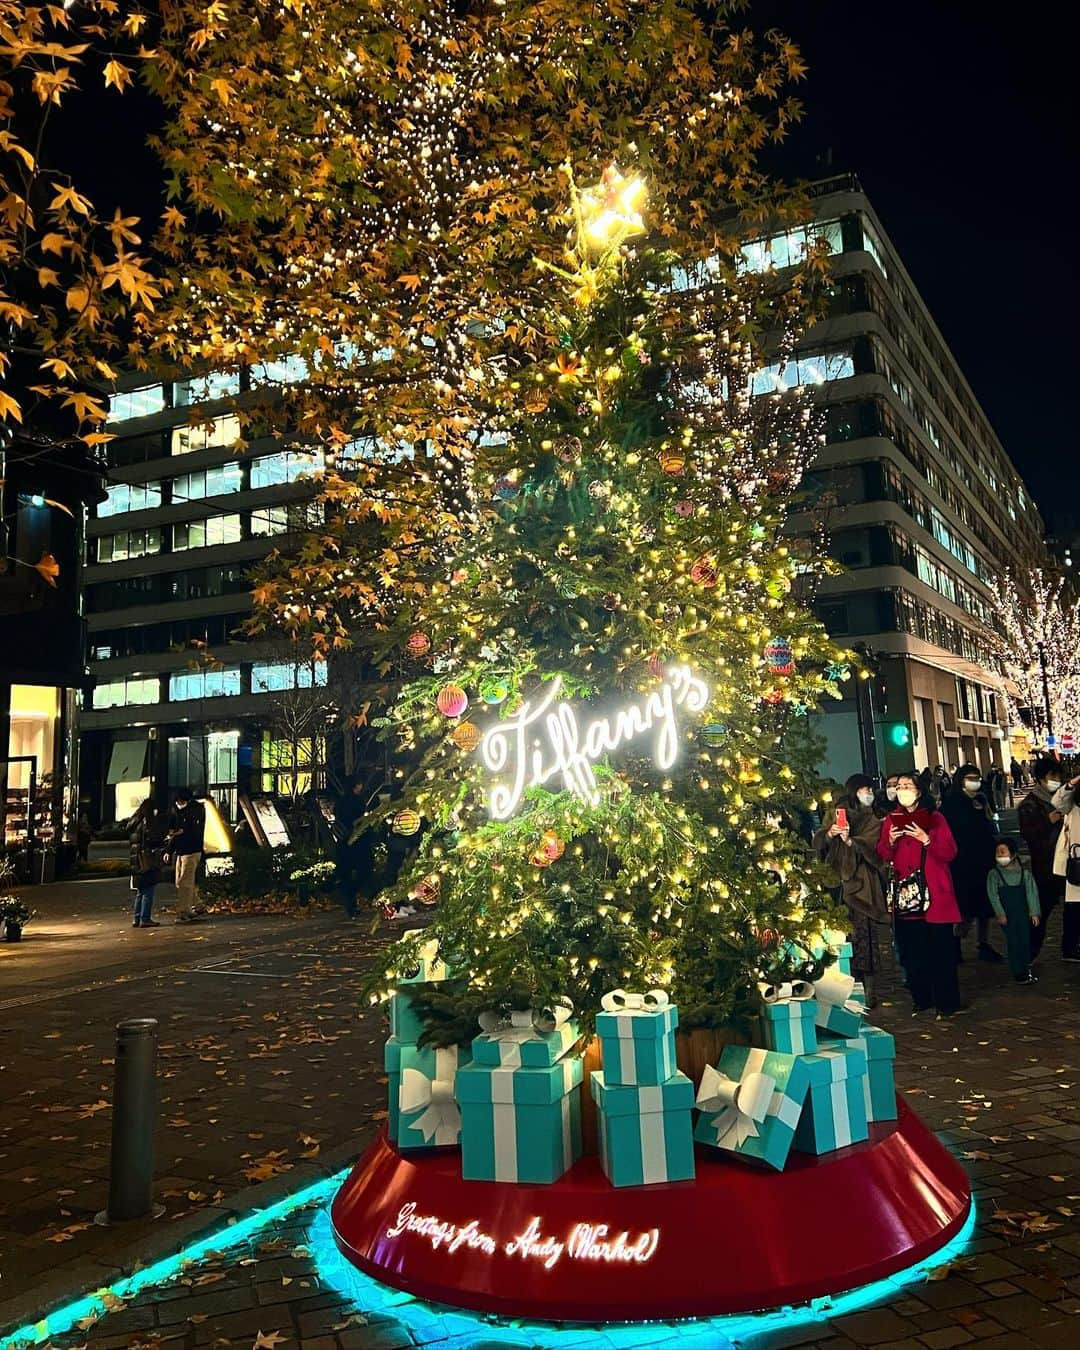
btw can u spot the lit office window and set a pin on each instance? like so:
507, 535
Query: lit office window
124, 693
206, 533
219, 481
285, 370
137, 403
217, 384
222, 431
268, 677
873, 245
790, 247
270, 520
287, 466
809, 368
129, 497
128, 544
204, 684
292, 767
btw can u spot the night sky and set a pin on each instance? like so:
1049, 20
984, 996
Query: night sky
962, 127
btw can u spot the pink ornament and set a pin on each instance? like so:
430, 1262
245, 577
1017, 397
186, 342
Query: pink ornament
684, 507
419, 644
452, 700
656, 665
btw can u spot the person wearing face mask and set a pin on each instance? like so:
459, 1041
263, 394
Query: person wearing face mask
1040, 826
886, 798
971, 821
1011, 890
1067, 849
913, 838
850, 849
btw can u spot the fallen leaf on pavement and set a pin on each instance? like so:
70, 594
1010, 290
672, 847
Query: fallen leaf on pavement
267, 1341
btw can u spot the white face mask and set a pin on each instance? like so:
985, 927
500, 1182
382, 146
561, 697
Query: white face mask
1052, 784
1003, 861
865, 796
972, 785
890, 793
907, 796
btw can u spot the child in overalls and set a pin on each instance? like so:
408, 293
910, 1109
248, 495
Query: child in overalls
1015, 900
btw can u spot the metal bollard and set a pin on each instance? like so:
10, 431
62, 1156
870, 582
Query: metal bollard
131, 1165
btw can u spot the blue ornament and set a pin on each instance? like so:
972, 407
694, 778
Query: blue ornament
713, 734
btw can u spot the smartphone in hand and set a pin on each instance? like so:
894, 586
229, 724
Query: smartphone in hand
841, 818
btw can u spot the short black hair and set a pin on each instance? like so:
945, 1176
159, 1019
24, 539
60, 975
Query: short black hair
1013, 845
183, 794
1045, 767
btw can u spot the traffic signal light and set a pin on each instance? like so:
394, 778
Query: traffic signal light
900, 734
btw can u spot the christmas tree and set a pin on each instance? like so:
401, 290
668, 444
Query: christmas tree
604, 730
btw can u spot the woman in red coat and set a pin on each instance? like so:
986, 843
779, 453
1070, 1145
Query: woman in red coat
912, 836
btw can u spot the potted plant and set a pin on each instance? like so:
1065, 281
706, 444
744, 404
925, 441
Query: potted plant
14, 914
315, 877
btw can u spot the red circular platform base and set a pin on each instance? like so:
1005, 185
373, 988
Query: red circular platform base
737, 1239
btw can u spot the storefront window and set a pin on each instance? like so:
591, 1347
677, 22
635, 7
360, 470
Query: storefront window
31, 754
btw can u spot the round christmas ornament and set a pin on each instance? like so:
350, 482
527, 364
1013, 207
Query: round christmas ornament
656, 665
551, 845
406, 822
713, 734
568, 588
466, 736
777, 587
772, 697
704, 572
778, 656
427, 890
568, 449
419, 644
506, 489
684, 507
406, 736
452, 700
611, 601
672, 462
540, 858
599, 489
493, 691
536, 401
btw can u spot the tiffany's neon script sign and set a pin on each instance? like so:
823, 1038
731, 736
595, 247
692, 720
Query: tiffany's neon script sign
545, 740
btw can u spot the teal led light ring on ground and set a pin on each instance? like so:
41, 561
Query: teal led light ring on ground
372, 1297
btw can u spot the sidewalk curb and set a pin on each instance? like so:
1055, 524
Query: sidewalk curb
158, 1243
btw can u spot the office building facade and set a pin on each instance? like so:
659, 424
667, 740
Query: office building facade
179, 695
918, 501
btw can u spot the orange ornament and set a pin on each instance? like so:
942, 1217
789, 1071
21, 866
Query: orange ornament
466, 736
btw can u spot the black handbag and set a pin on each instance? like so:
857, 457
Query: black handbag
1072, 865
909, 898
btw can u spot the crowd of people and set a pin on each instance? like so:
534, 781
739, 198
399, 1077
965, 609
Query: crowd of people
920, 862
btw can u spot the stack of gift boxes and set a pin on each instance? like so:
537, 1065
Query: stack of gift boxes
512, 1100
821, 1076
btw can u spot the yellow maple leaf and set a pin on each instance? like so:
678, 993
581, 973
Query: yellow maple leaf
117, 75
87, 409
9, 408
47, 277
55, 243
67, 196
78, 297
58, 367
410, 281
222, 88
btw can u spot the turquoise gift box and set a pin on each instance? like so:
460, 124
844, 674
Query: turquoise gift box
880, 1089
646, 1134
839, 947
520, 1124
788, 1025
835, 1112
526, 1046
423, 1110
405, 1025
840, 1005
757, 1107
638, 1046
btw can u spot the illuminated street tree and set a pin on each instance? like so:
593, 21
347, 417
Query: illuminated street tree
1038, 627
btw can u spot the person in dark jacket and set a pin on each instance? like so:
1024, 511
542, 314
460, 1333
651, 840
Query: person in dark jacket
187, 824
851, 851
355, 862
1040, 825
147, 854
971, 820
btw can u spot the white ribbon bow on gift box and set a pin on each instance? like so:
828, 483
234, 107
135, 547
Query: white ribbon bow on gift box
794, 992
618, 1000
441, 1122
427, 951
523, 1023
742, 1103
835, 990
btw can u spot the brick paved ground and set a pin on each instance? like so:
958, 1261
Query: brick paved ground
1000, 1084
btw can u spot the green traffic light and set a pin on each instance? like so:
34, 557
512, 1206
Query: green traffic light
900, 734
